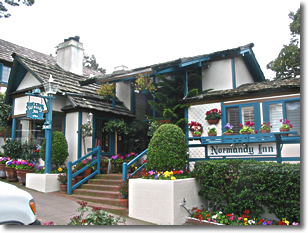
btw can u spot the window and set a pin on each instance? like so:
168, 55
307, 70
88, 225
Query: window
4, 73
282, 109
142, 106
240, 114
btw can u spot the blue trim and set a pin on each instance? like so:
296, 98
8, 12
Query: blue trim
194, 61
79, 135
94, 130
255, 105
64, 125
265, 107
1, 70
233, 73
186, 83
132, 100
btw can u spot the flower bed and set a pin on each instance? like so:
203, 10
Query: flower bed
204, 217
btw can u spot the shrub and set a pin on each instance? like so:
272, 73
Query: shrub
235, 185
12, 149
167, 149
59, 150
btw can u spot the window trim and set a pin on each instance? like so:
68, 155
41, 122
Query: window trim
265, 107
256, 108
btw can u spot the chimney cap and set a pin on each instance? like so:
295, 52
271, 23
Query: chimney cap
76, 38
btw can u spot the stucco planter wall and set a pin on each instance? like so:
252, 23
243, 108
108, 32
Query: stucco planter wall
159, 201
43, 182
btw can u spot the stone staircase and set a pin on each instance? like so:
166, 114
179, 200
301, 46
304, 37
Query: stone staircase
102, 191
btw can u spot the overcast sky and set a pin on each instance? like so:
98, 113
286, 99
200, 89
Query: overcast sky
138, 33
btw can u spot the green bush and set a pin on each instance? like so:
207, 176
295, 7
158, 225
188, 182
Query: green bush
167, 149
17, 150
59, 150
236, 185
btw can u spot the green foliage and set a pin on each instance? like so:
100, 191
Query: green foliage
86, 131
3, 9
167, 98
118, 125
59, 149
167, 149
17, 150
90, 62
136, 138
287, 64
5, 110
236, 185
96, 216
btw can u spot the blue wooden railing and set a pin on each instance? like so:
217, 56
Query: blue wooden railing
96, 152
126, 165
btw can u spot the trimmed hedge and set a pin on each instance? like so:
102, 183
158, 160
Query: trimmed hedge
236, 185
59, 149
167, 149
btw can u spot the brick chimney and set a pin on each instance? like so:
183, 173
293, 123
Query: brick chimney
70, 55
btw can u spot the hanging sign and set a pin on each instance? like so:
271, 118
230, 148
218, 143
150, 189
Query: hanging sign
35, 110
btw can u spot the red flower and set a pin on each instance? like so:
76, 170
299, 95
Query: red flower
247, 211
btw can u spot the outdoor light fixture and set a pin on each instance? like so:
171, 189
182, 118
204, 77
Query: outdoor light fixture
51, 87
90, 117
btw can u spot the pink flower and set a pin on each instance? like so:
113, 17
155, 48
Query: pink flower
84, 161
290, 125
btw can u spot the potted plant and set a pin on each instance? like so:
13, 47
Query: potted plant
144, 83
10, 170
285, 127
228, 129
212, 130
107, 90
123, 190
117, 161
104, 164
265, 127
62, 178
82, 164
195, 128
246, 129
22, 168
3, 160
213, 116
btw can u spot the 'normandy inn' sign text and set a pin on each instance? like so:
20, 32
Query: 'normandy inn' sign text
239, 149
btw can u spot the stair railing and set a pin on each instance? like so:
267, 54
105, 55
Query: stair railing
96, 152
126, 165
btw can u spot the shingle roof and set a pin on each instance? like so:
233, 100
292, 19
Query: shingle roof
265, 88
8, 48
80, 96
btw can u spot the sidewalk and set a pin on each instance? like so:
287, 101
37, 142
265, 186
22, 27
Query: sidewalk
59, 208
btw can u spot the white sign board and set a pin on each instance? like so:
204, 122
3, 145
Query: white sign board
239, 149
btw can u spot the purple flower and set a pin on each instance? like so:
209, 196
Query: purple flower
114, 157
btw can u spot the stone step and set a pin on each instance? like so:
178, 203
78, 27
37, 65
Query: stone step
97, 193
110, 176
110, 188
105, 182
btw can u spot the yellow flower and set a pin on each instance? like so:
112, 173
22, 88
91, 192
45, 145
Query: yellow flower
60, 169
133, 165
136, 168
173, 178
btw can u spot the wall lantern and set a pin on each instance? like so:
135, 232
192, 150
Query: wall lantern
90, 117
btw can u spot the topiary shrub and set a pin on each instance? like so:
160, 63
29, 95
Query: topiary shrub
167, 149
59, 149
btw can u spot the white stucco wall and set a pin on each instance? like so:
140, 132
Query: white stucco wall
71, 135
241, 72
28, 81
218, 76
123, 90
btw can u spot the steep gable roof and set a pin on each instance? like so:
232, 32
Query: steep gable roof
7, 49
79, 96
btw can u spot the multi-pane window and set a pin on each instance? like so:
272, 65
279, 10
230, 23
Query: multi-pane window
240, 114
4, 73
282, 109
